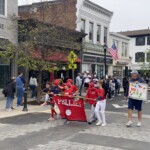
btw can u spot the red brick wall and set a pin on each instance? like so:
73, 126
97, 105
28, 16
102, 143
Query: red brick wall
61, 13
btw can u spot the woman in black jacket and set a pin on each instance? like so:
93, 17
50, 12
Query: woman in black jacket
11, 88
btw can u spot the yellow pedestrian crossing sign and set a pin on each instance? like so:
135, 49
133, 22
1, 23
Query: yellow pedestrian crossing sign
72, 66
72, 57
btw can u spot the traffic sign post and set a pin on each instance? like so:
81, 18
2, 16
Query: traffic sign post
72, 58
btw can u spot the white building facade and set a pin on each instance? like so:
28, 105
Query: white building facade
120, 66
94, 20
8, 32
139, 48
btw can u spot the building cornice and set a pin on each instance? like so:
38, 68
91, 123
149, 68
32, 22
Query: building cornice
119, 35
97, 8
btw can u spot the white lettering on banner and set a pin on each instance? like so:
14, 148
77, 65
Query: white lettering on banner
67, 102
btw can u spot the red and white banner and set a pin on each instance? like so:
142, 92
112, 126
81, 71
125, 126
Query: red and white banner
70, 109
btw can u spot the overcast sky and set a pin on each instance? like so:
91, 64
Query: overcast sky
128, 14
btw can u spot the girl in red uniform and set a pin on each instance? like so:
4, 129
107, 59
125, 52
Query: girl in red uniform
92, 94
100, 105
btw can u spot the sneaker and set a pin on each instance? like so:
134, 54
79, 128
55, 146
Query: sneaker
103, 124
139, 124
98, 123
8, 109
51, 119
89, 123
129, 124
12, 108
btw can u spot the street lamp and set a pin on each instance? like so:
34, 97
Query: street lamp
105, 66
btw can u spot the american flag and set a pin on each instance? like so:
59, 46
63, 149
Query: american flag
114, 51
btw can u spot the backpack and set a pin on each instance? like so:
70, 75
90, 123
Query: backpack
4, 91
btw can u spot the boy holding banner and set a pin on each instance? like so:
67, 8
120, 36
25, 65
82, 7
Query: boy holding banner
91, 97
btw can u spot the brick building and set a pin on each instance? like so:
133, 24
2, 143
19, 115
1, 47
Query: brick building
80, 15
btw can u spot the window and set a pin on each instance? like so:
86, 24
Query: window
139, 57
82, 25
148, 40
91, 31
2, 7
105, 35
140, 41
98, 33
148, 57
124, 49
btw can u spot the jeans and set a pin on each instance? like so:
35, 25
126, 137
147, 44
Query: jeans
33, 90
8, 102
19, 95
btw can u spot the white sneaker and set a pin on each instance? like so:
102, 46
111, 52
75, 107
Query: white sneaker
129, 124
139, 124
98, 123
8, 109
51, 119
103, 124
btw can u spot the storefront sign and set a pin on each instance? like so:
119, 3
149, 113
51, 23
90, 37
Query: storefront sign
101, 60
97, 59
122, 63
89, 59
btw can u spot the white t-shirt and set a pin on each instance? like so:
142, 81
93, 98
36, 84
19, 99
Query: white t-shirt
33, 81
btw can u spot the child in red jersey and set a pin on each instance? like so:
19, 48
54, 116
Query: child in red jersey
67, 91
72, 87
91, 97
100, 105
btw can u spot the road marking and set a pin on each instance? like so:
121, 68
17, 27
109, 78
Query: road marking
118, 106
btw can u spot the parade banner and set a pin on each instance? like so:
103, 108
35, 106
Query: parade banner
138, 91
70, 109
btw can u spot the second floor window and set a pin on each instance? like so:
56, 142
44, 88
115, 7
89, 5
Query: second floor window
2, 7
91, 31
105, 35
148, 57
124, 49
140, 41
83, 25
148, 40
98, 33
139, 57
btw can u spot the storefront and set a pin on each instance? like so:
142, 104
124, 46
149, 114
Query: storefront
95, 63
118, 69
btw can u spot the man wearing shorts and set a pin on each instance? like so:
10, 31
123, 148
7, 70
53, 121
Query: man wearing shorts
134, 103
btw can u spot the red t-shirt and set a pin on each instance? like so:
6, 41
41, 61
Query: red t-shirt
92, 93
73, 88
101, 93
68, 92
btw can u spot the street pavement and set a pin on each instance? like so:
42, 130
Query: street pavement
30, 130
